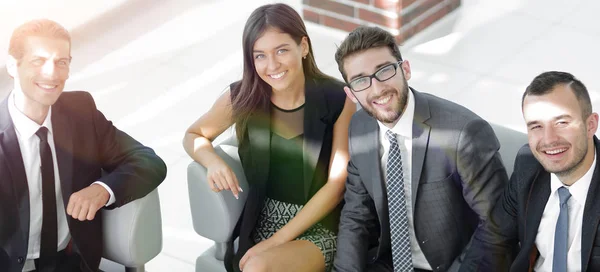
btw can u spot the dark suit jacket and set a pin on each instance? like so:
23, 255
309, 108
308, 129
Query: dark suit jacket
516, 218
457, 174
86, 145
324, 102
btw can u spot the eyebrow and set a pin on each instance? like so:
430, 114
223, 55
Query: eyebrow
562, 116
279, 46
376, 68
45, 58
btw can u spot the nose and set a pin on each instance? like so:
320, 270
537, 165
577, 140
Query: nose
48, 68
376, 86
550, 135
272, 64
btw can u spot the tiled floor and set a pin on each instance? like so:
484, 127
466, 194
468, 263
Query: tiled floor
155, 66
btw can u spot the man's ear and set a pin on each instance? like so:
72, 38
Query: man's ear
406, 69
350, 94
11, 66
592, 124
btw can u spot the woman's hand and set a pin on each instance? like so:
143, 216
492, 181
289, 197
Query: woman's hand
221, 177
257, 249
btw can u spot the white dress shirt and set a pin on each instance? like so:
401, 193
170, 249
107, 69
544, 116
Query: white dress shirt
544, 240
403, 131
29, 144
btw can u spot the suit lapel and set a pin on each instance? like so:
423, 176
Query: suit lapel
16, 178
372, 159
591, 214
420, 141
63, 143
539, 192
315, 111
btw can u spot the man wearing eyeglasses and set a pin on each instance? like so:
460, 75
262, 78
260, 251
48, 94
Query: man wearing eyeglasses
423, 174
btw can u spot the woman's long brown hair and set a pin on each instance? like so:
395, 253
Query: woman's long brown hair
252, 94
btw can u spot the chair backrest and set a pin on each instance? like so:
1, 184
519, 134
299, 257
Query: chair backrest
510, 143
133, 233
215, 215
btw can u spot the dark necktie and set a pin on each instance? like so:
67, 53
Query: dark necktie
399, 233
49, 219
561, 234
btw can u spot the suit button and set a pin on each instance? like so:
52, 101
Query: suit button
424, 241
20, 260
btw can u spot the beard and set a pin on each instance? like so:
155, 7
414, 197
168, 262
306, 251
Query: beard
398, 106
579, 150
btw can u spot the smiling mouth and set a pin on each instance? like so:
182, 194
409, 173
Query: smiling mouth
47, 87
278, 76
382, 100
555, 151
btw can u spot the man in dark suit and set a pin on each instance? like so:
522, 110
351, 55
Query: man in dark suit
423, 171
54, 148
547, 218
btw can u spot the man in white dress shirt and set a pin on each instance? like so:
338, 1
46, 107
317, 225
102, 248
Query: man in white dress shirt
54, 148
551, 205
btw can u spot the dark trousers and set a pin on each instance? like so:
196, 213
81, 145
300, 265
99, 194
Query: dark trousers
64, 262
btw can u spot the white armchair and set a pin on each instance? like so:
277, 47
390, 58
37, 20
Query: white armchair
215, 214
133, 233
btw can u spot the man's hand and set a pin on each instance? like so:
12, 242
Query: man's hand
84, 204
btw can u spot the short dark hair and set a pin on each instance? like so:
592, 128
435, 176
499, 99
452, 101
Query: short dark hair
363, 38
547, 81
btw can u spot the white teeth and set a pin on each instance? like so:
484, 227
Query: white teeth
383, 100
556, 151
47, 86
277, 76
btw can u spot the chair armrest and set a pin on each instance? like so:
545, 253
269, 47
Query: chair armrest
215, 215
133, 232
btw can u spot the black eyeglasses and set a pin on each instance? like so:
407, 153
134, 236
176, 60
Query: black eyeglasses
384, 73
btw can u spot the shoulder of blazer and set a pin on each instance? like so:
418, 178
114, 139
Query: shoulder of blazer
361, 116
327, 96
360, 123
332, 88
75, 103
526, 165
445, 111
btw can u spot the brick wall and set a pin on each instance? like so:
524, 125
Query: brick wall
403, 18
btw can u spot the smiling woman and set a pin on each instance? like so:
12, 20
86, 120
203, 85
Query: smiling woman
291, 123
278, 59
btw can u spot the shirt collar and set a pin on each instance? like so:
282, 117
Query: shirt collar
404, 125
24, 126
579, 189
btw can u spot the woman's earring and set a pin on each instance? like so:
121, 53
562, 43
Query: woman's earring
304, 57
